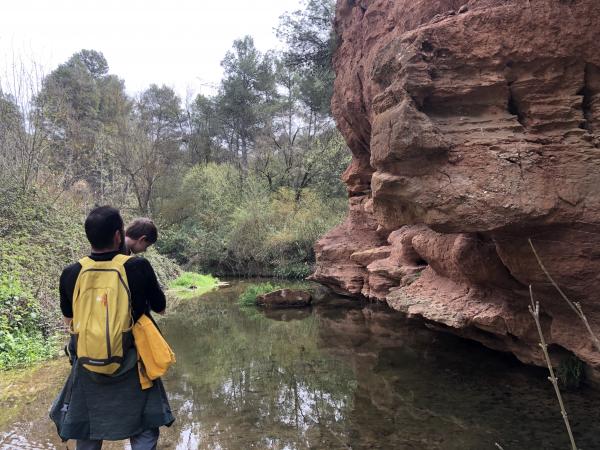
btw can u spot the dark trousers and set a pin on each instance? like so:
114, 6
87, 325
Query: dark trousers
146, 440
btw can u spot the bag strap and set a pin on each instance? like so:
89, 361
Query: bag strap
86, 262
121, 259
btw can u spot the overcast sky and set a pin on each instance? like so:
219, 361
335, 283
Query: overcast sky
179, 43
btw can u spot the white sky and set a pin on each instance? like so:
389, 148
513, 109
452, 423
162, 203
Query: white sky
179, 43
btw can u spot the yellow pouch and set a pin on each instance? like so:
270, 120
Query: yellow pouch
153, 350
145, 382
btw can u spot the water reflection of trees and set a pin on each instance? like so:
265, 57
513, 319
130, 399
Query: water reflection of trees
352, 377
243, 380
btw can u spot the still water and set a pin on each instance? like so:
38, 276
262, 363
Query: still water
342, 375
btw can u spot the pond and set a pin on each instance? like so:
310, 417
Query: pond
340, 375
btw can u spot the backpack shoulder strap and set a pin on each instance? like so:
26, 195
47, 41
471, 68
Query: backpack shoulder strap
86, 262
121, 259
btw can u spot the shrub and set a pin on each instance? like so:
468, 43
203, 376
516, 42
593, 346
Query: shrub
293, 270
39, 236
165, 268
241, 227
21, 337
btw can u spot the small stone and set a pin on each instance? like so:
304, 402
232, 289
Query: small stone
463, 9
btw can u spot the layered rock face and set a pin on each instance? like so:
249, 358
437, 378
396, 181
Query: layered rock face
474, 125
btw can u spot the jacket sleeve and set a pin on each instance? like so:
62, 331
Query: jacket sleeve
154, 294
66, 293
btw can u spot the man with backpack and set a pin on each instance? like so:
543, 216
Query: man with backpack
101, 297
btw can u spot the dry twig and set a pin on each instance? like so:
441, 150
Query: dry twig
575, 306
534, 309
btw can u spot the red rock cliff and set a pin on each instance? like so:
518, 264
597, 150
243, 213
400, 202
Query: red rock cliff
473, 125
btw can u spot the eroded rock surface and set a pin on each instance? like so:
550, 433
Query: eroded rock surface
474, 125
284, 298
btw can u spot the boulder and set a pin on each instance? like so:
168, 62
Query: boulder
284, 298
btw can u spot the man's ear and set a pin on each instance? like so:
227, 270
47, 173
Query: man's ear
118, 238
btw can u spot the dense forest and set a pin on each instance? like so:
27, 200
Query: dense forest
241, 182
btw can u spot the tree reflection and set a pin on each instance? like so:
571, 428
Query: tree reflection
245, 381
351, 376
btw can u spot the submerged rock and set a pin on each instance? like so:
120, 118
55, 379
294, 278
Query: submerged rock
284, 298
471, 133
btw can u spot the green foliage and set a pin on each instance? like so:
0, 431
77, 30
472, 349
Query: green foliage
82, 107
293, 270
239, 227
21, 338
21, 348
39, 236
311, 41
19, 311
248, 297
164, 267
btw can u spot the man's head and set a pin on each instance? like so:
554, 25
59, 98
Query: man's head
104, 229
140, 234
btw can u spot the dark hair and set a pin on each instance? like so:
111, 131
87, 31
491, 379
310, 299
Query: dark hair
101, 224
142, 227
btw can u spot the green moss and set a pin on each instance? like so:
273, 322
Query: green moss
191, 284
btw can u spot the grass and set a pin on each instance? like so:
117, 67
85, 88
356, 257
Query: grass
190, 284
248, 297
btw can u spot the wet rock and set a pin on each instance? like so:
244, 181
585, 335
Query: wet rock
284, 298
471, 133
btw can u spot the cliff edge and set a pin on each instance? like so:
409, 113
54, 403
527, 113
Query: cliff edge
473, 125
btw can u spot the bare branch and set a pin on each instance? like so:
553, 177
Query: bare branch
534, 309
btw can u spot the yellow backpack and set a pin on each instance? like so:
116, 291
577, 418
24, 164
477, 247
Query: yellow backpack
102, 318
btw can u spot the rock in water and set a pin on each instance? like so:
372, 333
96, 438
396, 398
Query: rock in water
470, 135
284, 298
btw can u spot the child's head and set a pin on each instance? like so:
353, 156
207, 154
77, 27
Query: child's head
140, 234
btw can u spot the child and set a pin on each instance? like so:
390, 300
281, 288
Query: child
139, 235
